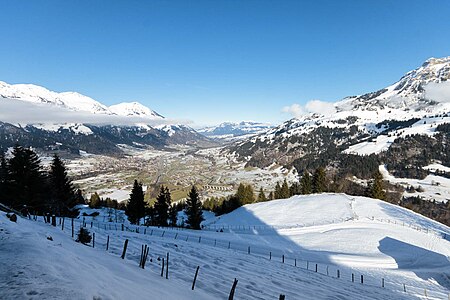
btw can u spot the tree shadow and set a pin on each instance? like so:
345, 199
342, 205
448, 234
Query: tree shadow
426, 264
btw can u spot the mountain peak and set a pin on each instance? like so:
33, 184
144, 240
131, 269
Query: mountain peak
134, 109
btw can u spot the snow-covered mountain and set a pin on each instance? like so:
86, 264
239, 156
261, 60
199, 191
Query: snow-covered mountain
94, 128
37, 94
419, 103
233, 131
134, 109
73, 101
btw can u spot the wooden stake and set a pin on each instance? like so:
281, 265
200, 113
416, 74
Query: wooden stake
167, 266
107, 243
195, 277
233, 288
162, 268
125, 245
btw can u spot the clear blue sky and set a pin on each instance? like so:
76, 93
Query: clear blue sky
213, 61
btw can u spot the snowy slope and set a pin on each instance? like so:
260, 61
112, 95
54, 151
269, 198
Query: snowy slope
354, 236
422, 94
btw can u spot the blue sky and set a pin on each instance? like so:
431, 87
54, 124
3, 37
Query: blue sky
213, 61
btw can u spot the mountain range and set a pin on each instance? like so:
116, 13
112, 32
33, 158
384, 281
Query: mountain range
405, 125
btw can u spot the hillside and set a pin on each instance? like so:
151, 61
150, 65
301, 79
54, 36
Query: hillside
353, 235
404, 126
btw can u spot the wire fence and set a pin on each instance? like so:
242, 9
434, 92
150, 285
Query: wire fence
272, 255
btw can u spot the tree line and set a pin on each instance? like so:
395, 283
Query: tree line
26, 186
309, 183
163, 212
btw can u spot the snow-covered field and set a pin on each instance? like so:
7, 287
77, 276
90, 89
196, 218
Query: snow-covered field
434, 187
337, 232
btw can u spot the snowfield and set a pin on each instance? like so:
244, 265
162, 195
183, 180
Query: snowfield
327, 233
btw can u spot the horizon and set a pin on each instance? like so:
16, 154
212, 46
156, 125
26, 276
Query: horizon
215, 62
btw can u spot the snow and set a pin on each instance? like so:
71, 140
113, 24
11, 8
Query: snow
355, 235
134, 109
434, 187
74, 127
437, 167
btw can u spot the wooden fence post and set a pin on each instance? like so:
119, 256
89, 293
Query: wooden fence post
62, 225
282, 297
353, 277
233, 288
72, 227
107, 243
282, 259
338, 274
167, 266
125, 245
382, 282
248, 249
195, 277
199, 239
229, 245
93, 240
270, 255
362, 279
316, 268
162, 268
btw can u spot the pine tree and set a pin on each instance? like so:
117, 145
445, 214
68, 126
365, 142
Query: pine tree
62, 193
4, 177
294, 189
173, 215
376, 188
305, 184
162, 206
261, 196
194, 209
245, 194
136, 206
94, 201
284, 191
27, 184
319, 181
277, 194
271, 196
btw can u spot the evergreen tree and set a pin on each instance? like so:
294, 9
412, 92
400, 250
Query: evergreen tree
294, 189
173, 215
277, 194
376, 188
319, 181
4, 177
94, 201
162, 206
284, 191
245, 194
151, 216
62, 193
136, 206
79, 199
305, 184
194, 209
27, 184
271, 196
261, 196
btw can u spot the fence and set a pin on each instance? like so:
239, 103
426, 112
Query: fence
272, 255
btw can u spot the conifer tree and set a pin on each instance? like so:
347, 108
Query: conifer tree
284, 191
94, 201
376, 188
271, 196
294, 189
62, 193
305, 184
194, 209
162, 206
135, 209
27, 184
261, 196
173, 215
277, 194
4, 177
319, 181
245, 194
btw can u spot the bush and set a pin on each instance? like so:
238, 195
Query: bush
84, 236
